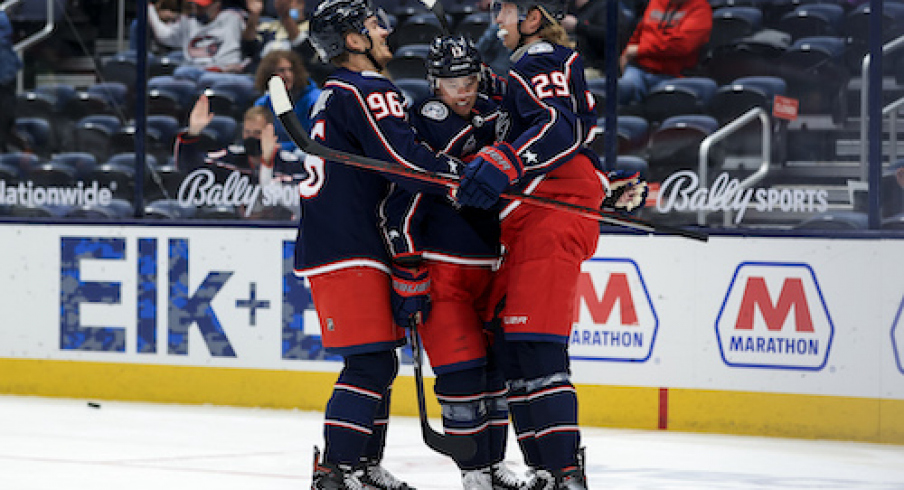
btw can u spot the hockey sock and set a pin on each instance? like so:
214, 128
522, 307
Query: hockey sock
497, 411
377, 441
461, 396
543, 403
353, 406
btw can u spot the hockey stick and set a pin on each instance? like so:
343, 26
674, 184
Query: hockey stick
458, 448
282, 106
436, 7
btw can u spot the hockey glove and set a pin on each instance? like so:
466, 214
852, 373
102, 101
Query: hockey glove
627, 192
410, 294
488, 175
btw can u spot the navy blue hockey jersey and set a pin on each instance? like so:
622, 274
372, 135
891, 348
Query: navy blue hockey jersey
550, 109
343, 207
429, 224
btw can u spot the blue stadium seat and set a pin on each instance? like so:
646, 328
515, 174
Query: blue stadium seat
690, 95
80, 162
734, 22
22, 161
414, 89
38, 133
814, 19
743, 94
816, 73
409, 62
633, 134
221, 132
675, 144
53, 174
474, 24
94, 133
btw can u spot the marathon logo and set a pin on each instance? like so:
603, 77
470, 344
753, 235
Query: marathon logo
774, 316
616, 320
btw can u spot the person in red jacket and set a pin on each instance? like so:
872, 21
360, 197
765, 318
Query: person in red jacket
665, 43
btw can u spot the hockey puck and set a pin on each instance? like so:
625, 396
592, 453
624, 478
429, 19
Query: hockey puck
94, 405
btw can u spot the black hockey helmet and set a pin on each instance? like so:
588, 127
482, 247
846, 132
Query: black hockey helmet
555, 8
332, 20
451, 57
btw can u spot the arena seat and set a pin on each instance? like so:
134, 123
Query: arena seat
414, 89
94, 133
675, 144
734, 22
409, 62
814, 19
689, 95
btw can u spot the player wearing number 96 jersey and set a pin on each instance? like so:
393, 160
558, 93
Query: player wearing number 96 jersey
340, 248
543, 154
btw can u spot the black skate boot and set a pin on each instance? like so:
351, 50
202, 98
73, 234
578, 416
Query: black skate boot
376, 477
329, 476
570, 479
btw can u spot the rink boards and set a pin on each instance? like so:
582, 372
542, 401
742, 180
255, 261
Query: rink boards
797, 337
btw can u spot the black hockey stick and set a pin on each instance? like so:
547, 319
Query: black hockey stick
458, 448
282, 106
436, 6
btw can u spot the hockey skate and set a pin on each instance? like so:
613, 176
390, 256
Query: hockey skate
329, 476
505, 479
477, 479
540, 480
570, 479
376, 477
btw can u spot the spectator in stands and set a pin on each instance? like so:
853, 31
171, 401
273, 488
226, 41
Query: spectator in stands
259, 156
286, 32
210, 36
169, 12
585, 22
10, 64
666, 42
288, 66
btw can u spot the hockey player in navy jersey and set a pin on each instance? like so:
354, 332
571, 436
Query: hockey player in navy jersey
358, 290
458, 248
543, 153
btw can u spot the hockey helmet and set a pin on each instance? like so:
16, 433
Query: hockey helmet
332, 20
451, 57
554, 8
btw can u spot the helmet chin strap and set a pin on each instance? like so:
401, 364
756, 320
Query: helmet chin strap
369, 53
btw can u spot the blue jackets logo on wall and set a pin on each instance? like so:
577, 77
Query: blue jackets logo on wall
616, 318
774, 316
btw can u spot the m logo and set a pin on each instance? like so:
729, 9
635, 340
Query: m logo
615, 319
897, 337
774, 316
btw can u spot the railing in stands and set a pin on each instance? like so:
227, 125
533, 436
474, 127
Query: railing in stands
33, 39
722, 133
864, 101
891, 110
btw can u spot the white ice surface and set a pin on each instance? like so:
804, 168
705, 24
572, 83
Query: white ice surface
61, 444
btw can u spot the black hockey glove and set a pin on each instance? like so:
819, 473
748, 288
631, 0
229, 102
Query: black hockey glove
627, 192
410, 294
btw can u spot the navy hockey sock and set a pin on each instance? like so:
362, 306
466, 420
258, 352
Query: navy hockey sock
354, 404
377, 441
461, 396
543, 403
497, 412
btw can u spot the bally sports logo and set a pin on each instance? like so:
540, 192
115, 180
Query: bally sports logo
774, 316
615, 319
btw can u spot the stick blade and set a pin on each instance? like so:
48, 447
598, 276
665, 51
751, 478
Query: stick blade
279, 96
